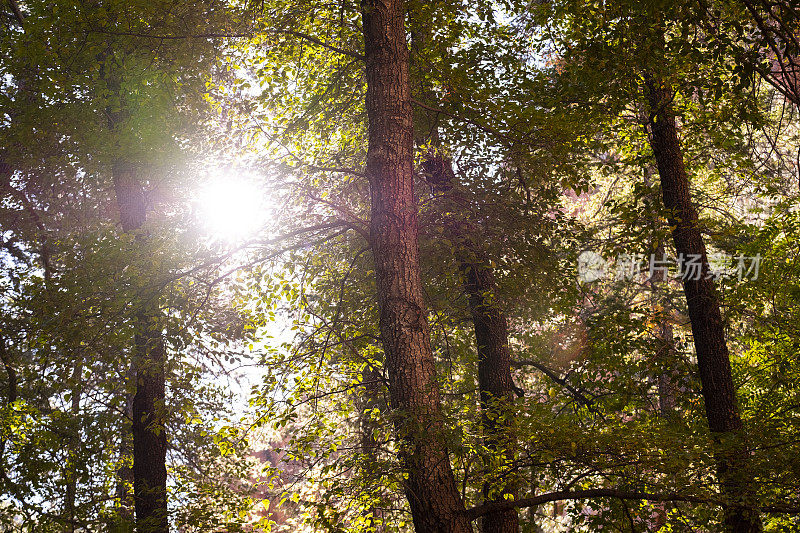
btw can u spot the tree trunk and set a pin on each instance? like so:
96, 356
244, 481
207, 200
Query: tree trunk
149, 436
704, 313
369, 400
497, 391
433, 496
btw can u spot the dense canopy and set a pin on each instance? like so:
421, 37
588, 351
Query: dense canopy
395, 266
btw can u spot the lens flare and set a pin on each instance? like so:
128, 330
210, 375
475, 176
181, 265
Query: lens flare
231, 208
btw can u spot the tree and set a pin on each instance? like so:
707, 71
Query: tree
109, 90
434, 499
428, 353
496, 385
709, 337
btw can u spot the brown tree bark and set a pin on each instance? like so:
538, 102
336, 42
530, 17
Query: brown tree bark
497, 390
149, 436
433, 496
704, 313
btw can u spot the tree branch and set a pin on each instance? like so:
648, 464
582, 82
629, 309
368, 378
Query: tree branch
172, 37
534, 501
323, 44
17, 13
482, 127
587, 402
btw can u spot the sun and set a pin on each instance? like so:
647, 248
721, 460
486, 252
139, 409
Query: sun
231, 207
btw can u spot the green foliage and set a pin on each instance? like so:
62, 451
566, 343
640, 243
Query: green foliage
541, 108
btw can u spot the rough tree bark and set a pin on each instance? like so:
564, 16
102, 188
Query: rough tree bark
149, 436
497, 391
433, 496
704, 314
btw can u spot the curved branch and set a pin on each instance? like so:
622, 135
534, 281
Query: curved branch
577, 394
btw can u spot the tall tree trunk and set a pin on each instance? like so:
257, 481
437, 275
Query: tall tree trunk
73, 449
704, 313
497, 391
433, 496
666, 340
149, 436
